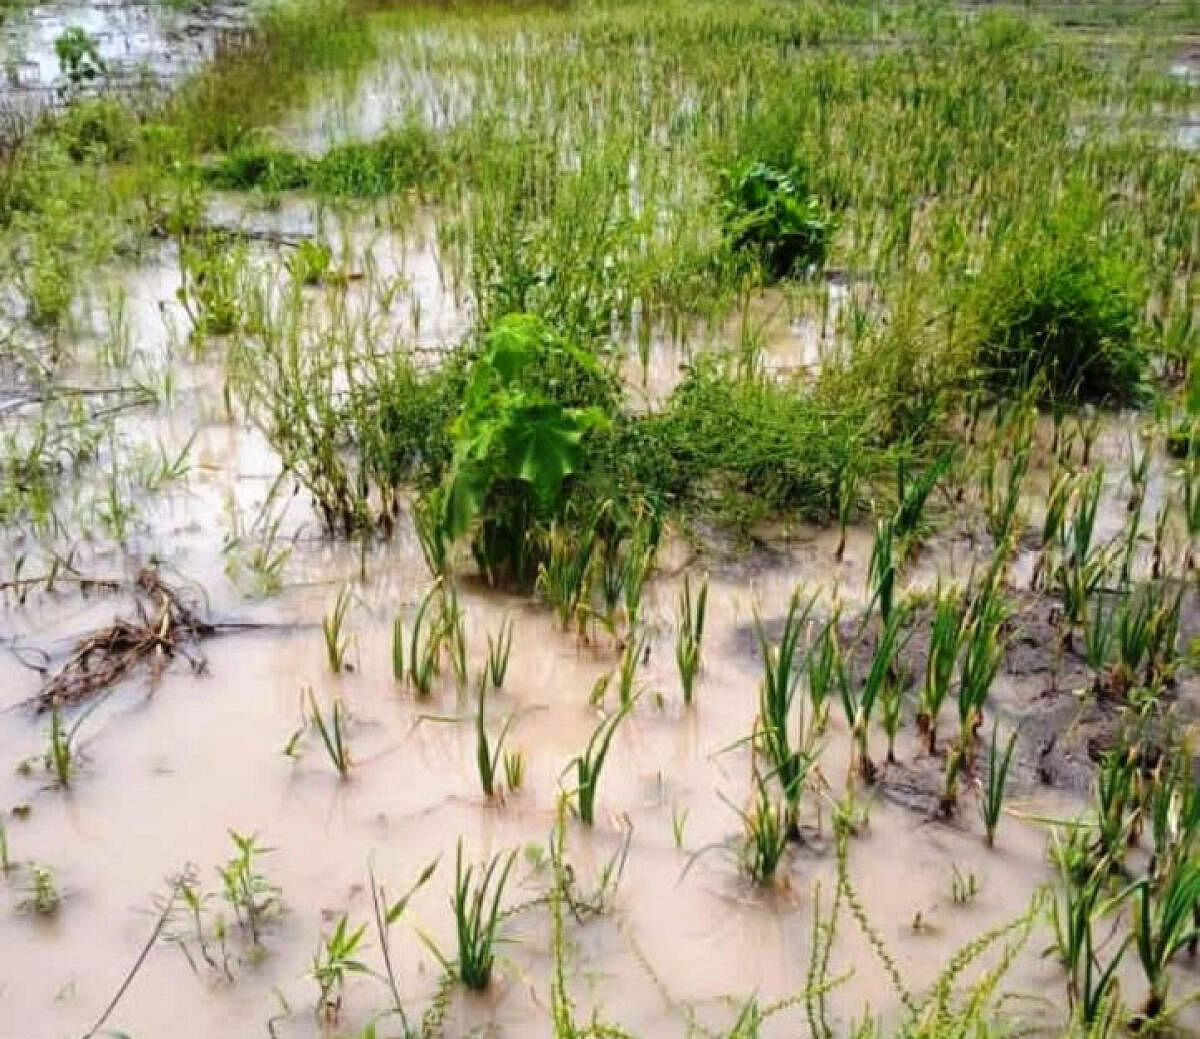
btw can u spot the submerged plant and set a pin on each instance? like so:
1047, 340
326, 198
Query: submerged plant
590, 764
498, 654
334, 960
332, 732
996, 782
477, 919
333, 627
690, 635
487, 758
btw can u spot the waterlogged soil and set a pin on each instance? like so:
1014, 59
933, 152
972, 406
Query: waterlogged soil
179, 754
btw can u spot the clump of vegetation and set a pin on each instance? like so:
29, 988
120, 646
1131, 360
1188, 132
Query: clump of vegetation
1060, 310
531, 400
771, 216
403, 158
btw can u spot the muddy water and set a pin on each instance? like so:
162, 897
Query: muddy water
138, 41
170, 767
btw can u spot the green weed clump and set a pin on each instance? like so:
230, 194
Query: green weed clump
1060, 310
771, 216
403, 158
742, 447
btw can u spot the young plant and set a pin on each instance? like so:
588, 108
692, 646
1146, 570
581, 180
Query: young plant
514, 770
632, 655
60, 757
821, 668
1163, 925
333, 626
452, 633
477, 921
334, 960
253, 899
881, 572
996, 783
590, 764
563, 579
881, 674
981, 660
945, 640
487, 759
424, 651
765, 829
773, 729
332, 731
690, 635
387, 912
398, 670
498, 653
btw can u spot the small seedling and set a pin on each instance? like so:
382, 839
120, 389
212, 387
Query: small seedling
992, 800
332, 731
333, 626
499, 651
963, 889
690, 635
253, 899
477, 920
589, 765
514, 770
488, 759
333, 961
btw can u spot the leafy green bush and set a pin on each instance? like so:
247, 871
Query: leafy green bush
1062, 310
531, 399
771, 216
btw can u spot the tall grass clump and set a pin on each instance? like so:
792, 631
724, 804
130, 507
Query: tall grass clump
1059, 309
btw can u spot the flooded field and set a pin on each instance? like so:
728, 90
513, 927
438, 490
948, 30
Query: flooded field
600, 519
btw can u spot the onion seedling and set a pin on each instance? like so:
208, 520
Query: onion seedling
690, 635
488, 759
498, 652
333, 626
994, 787
477, 917
1163, 924
332, 732
589, 765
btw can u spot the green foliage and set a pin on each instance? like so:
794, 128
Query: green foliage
1059, 309
477, 919
400, 159
333, 962
744, 447
590, 764
531, 399
769, 215
78, 56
